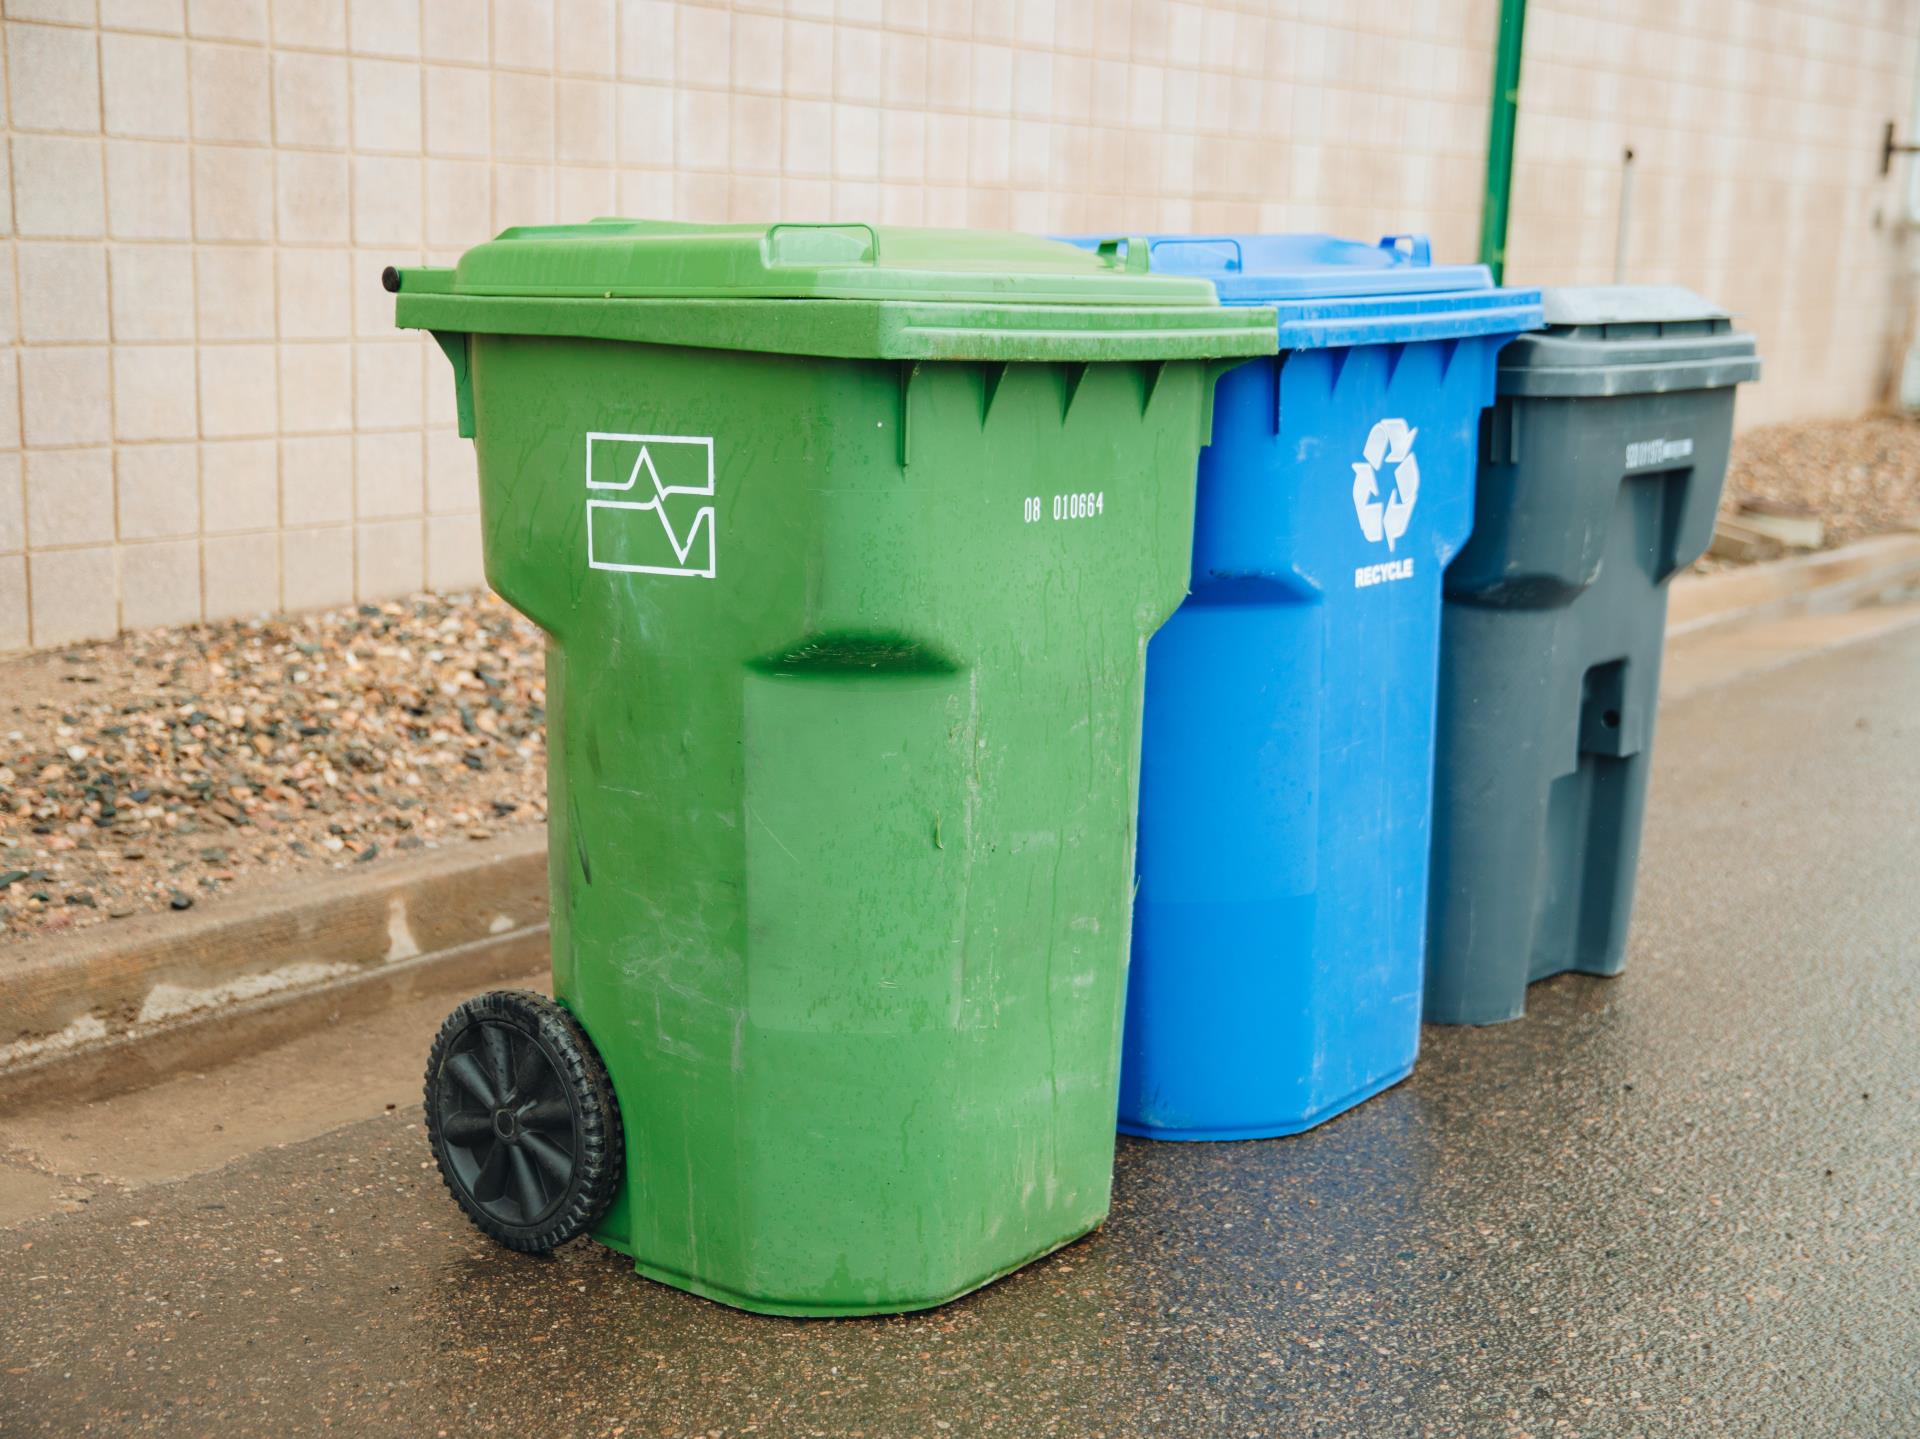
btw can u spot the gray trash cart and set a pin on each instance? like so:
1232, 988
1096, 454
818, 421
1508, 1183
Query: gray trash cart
1601, 464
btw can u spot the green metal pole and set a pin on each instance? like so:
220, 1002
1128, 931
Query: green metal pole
1506, 114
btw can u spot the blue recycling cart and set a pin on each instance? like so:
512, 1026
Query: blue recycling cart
1287, 777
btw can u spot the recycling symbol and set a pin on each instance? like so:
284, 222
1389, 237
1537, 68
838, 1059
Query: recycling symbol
1390, 443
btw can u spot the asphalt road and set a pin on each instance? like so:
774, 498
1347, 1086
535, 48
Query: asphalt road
1681, 1202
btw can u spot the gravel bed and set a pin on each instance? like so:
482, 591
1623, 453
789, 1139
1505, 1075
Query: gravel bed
165, 768
1862, 477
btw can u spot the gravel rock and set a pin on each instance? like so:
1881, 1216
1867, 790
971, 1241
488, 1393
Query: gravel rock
173, 765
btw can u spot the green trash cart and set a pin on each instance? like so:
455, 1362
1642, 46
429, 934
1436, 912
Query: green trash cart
848, 542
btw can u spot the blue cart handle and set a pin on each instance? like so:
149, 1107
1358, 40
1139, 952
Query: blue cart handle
1419, 247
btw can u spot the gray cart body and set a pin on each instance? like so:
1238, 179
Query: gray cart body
1601, 465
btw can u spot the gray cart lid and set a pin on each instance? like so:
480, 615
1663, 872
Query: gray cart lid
1627, 340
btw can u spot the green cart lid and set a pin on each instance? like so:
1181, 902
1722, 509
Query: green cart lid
827, 289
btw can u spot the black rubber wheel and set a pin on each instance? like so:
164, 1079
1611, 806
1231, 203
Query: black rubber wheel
522, 1120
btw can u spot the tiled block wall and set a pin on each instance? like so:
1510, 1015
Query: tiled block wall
205, 411
1756, 128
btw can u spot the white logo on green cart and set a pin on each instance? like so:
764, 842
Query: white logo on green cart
661, 526
1385, 516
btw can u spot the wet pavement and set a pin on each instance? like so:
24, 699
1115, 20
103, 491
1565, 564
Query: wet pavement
1681, 1202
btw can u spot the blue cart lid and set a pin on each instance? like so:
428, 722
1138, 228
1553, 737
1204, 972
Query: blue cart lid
1331, 292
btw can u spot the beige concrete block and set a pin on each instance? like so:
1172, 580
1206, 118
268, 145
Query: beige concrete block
316, 480
9, 399
165, 17
806, 200
54, 78
144, 85
523, 116
235, 288
459, 202
703, 39
522, 195
63, 292
903, 205
63, 396
950, 75
316, 388
453, 553
584, 192
453, 478
808, 60
13, 602
240, 575
856, 142
13, 505
946, 153
388, 475
387, 385
316, 568
310, 198
75, 595
989, 150
159, 584
583, 37
903, 69
56, 186
310, 24
69, 497
387, 559
386, 106
903, 145
316, 294
754, 122
58, 12
702, 126
584, 122
310, 104
384, 27
157, 490
149, 195
386, 201
523, 33
232, 194
227, 19
645, 125
859, 66
153, 393
230, 95
759, 49
239, 393
807, 138
454, 30
855, 198
459, 104
9, 321
239, 486
646, 192
644, 39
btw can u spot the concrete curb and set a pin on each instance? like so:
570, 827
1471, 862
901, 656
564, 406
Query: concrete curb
1825, 582
118, 1006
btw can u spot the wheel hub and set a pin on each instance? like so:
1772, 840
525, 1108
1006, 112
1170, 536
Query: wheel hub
506, 1124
